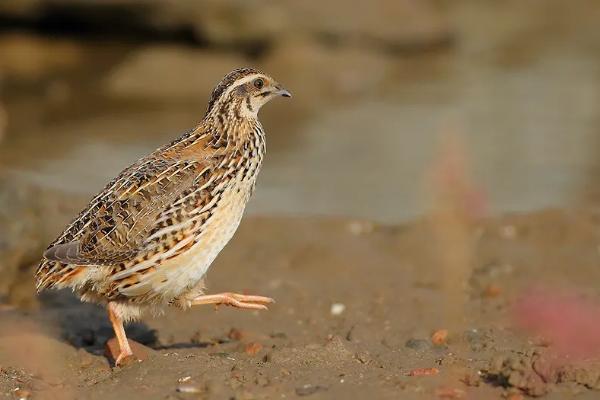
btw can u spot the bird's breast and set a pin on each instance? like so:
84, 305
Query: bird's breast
189, 268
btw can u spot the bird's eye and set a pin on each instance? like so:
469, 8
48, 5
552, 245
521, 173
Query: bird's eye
259, 83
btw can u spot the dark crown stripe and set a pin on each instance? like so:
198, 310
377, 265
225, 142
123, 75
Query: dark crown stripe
227, 81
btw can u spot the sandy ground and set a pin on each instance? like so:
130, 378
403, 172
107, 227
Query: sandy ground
397, 284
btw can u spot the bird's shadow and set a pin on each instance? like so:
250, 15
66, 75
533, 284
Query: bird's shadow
86, 326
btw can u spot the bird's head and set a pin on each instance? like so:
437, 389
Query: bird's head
243, 92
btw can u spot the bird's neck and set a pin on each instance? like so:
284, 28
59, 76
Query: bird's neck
228, 131
231, 122
224, 129
219, 136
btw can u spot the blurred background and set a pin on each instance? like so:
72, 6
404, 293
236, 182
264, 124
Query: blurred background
87, 87
402, 109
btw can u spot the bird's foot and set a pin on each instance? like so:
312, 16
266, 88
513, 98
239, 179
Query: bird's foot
132, 352
124, 358
234, 300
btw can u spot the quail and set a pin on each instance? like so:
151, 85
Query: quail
147, 240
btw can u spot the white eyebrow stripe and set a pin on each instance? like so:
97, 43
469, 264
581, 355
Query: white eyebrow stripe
242, 81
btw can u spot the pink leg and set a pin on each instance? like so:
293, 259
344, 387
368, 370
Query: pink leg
117, 324
234, 300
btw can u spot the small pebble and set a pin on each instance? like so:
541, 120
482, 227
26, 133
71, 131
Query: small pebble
439, 337
188, 389
337, 308
22, 394
360, 227
492, 290
307, 390
508, 232
449, 393
253, 348
423, 372
184, 379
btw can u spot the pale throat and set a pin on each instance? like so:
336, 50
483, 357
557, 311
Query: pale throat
250, 106
245, 108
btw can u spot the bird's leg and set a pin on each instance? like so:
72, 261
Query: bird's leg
117, 324
234, 300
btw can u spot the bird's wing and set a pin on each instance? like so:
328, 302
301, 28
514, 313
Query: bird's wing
117, 225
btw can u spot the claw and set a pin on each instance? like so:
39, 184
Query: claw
123, 358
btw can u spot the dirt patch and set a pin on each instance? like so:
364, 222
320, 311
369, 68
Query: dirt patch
536, 374
358, 313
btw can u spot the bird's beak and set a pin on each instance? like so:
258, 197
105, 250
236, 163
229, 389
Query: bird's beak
280, 91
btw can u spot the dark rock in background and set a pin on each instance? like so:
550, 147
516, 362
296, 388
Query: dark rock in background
392, 24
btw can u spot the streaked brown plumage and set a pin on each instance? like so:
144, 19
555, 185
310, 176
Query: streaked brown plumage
149, 237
